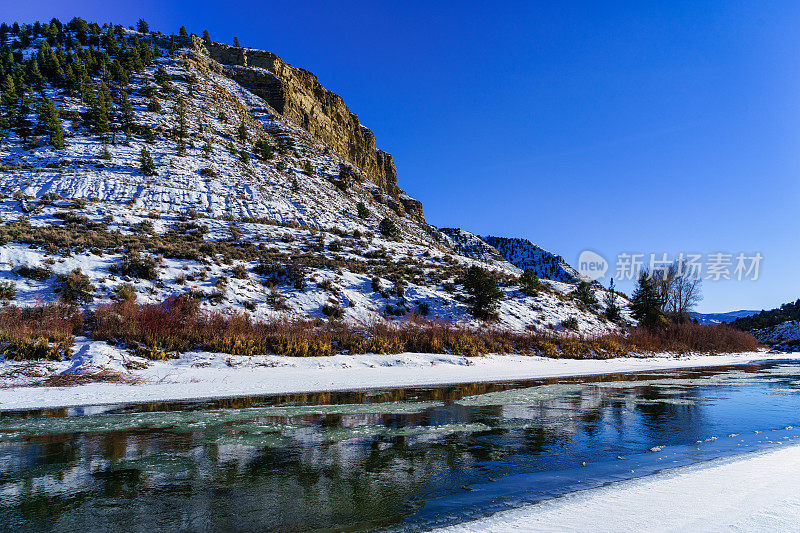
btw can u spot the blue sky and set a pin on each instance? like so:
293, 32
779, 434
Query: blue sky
622, 127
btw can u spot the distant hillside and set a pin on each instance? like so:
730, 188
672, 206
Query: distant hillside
766, 319
470, 245
523, 254
721, 318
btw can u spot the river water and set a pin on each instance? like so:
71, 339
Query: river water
406, 459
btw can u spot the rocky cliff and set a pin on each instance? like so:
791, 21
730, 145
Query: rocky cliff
297, 95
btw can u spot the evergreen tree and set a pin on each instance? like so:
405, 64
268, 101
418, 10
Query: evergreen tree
50, 122
182, 32
4, 126
646, 304
612, 308
126, 115
236, 42
389, 229
146, 163
484, 295
100, 121
241, 133
263, 150
142, 26
162, 77
22, 123
34, 74
9, 96
110, 42
180, 131
70, 81
584, 294
206, 37
362, 210
529, 283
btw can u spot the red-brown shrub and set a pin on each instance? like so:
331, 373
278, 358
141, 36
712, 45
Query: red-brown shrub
40, 332
177, 325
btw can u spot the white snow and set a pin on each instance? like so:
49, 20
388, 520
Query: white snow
202, 375
786, 332
751, 492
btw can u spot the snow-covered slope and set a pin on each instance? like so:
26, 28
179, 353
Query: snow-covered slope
784, 334
470, 245
294, 233
524, 254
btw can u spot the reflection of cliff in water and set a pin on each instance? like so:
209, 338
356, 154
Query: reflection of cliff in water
291, 464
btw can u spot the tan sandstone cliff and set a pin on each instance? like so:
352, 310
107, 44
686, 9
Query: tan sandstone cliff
298, 96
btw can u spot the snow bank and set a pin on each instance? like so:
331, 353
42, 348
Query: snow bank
202, 375
754, 492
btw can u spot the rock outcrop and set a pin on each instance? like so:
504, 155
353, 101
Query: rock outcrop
298, 96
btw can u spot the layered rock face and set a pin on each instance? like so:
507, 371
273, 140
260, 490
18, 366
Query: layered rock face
296, 94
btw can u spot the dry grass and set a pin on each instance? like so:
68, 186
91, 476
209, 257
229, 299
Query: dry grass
71, 380
41, 332
161, 331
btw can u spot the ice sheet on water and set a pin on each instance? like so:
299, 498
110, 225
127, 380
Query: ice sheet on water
524, 396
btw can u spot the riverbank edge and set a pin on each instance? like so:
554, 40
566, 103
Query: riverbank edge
752, 491
202, 376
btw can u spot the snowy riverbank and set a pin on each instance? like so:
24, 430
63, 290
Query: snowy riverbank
752, 492
201, 375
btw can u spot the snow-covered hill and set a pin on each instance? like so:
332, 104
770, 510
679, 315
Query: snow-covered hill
524, 254
784, 335
244, 207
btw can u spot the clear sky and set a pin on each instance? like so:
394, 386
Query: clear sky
638, 126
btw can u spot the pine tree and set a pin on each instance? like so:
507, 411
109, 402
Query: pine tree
646, 304
146, 163
9, 97
362, 210
584, 294
206, 37
100, 109
612, 308
182, 32
236, 42
50, 122
70, 81
180, 132
34, 74
142, 26
22, 123
127, 116
529, 283
389, 229
484, 295
4, 126
241, 133
110, 42
263, 150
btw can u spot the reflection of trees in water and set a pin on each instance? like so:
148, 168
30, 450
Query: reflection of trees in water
684, 421
329, 469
